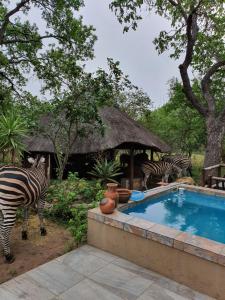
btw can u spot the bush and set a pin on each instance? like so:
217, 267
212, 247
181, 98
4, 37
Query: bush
69, 202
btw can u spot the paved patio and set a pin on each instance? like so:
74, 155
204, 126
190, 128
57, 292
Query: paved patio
88, 273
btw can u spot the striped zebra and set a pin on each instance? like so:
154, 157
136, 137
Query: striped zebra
21, 187
159, 168
182, 162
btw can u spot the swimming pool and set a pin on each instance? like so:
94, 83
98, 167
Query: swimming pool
178, 234
192, 212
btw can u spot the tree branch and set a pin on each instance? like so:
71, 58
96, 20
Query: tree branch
8, 15
13, 41
174, 3
10, 82
205, 84
191, 33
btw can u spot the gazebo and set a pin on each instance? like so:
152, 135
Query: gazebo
121, 132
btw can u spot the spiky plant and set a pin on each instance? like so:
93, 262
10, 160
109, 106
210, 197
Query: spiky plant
12, 130
106, 170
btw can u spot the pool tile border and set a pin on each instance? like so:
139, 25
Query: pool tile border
207, 249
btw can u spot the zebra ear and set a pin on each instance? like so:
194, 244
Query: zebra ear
31, 160
42, 160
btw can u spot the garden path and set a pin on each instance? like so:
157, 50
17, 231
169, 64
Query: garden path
88, 273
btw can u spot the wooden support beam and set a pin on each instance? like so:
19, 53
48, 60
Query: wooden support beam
131, 169
219, 171
152, 155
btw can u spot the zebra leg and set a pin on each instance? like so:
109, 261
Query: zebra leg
25, 223
145, 181
165, 178
41, 204
7, 221
1, 231
184, 172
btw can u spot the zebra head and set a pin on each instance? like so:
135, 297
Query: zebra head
177, 170
41, 162
32, 161
37, 162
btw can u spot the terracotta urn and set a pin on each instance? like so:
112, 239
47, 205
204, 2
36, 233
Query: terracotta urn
124, 195
107, 205
112, 192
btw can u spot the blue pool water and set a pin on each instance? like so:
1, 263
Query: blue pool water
193, 212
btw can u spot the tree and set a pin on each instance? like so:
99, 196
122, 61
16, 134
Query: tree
77, 96
55, 55
198, 30
74, 114
24, 46
177, 123
117, 90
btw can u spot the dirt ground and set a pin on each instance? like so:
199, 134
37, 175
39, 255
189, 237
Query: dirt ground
37, 249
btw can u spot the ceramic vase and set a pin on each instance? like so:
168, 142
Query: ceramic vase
107, 205
112, 192
124, 195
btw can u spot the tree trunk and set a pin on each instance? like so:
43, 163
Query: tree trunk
13, 157
215, 134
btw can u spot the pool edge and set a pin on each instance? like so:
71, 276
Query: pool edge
207, 253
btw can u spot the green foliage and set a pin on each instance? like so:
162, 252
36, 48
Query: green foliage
69, 202
12, 130
106, 170
78, 222
197, 165
178, 123
27, 48
211, 26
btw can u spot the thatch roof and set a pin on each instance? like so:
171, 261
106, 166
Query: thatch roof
121, 132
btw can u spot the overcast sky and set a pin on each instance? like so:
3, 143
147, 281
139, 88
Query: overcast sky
134, 49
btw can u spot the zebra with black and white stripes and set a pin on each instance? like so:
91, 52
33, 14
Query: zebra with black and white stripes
159, 168
21, 187
183, 162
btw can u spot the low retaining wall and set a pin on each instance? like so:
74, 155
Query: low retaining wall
191, 260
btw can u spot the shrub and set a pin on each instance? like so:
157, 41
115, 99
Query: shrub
69, 202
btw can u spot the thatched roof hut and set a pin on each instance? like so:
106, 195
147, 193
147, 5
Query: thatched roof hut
121, 132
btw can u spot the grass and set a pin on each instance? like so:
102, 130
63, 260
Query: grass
197, 164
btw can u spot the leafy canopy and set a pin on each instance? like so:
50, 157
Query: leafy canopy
177, 123
24, 46
197, 31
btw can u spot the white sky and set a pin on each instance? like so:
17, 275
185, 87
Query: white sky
135, 50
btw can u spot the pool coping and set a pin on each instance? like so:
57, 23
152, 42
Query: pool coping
202, 247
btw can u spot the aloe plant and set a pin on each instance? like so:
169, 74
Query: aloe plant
106, 170
12, 129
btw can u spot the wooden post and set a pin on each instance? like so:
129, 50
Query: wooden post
152, 155
203, 177
131, 168
210, 181
219, 171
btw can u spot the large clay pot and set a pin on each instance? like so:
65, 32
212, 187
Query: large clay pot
124, 195
107, 205
112, 192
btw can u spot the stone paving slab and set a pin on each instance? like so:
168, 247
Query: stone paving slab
88, 273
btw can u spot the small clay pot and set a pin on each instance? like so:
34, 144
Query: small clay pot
107, 205
112, 192
124, 195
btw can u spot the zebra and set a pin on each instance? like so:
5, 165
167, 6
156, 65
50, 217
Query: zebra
21, 187
160, 168
182, 162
